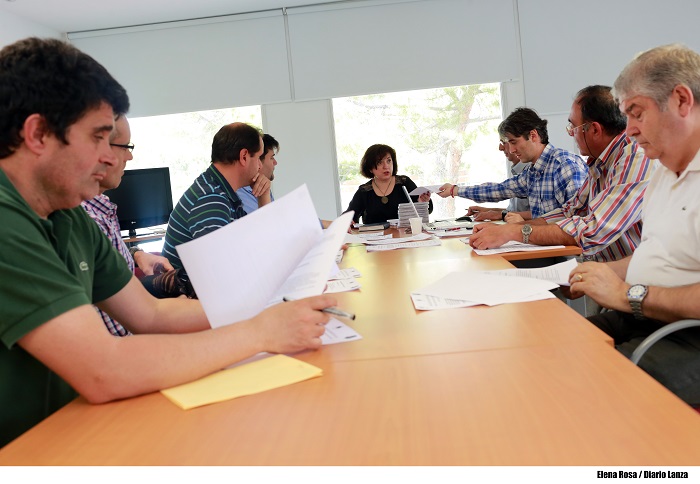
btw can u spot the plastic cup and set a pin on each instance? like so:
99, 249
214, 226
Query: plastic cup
416, 225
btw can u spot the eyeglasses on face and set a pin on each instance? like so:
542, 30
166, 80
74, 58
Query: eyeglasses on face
571, 129
129, 147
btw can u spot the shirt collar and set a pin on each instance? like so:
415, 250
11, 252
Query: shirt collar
230, 192
544, 158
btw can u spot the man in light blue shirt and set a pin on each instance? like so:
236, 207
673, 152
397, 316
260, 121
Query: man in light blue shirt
246, 193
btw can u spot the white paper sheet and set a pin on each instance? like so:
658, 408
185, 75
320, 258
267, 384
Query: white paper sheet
404, 245
337, 332
482, 288
342, 285
399, 240
557, 273
513, 246
362, 238
238, 269
426, 302
425, 188
347, 273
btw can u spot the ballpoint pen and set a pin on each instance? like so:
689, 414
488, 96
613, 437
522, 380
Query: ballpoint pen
331, 310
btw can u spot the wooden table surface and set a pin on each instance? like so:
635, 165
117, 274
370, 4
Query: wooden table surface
574, 404
517, 384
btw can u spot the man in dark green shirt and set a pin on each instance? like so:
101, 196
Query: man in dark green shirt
57, 109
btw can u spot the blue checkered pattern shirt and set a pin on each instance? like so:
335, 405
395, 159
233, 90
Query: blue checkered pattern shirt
552, 180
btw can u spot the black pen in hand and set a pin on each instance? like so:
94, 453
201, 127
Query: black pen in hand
331, 310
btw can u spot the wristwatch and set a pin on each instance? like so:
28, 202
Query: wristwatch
526, 231
635, 296
503, 214
134, 249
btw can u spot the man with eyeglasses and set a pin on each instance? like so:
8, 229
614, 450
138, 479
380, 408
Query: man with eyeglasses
553, 178
659, 283
101, 209
604, 216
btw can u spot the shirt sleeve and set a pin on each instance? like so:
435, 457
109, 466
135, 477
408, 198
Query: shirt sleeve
357, 204
495, 192
615, 209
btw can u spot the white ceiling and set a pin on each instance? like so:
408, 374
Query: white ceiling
78, 15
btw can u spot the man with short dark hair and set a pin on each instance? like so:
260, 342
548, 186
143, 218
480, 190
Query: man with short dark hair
604, 216
553, 178
659, 283
211, 202
250, 195
57, 110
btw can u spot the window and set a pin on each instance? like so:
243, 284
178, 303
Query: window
182, 141
440, 135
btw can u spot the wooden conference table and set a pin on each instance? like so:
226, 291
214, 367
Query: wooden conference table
517, 384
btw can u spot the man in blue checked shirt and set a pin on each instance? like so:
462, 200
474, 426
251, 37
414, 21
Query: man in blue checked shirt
553, 178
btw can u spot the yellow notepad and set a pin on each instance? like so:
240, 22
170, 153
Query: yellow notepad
258, 376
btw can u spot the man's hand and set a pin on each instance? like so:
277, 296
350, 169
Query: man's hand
293, 326
151, 263
514, 218
600, 282
424, 197
260, 185
446, 190
490, 236
487, 214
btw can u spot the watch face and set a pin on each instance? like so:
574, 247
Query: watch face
636, 291
527, 229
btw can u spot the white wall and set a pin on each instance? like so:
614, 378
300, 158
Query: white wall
13, 28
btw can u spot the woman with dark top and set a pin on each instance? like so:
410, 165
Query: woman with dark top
378, 200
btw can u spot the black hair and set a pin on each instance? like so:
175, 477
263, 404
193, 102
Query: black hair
269, 143
231, 139
598, 105
373, 156
54, 79
523, 120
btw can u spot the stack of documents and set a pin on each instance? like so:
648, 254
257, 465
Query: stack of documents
406, 212
513, 246
414, 241
464, 289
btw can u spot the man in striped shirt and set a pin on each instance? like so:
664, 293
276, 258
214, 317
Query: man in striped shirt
604, 216
211, 202
553, 177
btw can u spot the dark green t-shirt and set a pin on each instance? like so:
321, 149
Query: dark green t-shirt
47, 267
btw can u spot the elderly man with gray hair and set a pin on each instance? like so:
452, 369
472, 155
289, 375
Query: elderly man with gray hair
658, 92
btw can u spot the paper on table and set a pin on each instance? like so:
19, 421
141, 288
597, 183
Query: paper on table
399, 240
299, 261
425, 188
337, 332
426, 302
404, 245
341, 285
258, 376
451, 232
348, 273
362, 238
486, 289
558, 273
515, 246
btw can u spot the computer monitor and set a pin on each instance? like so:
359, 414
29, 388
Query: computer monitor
143, 198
